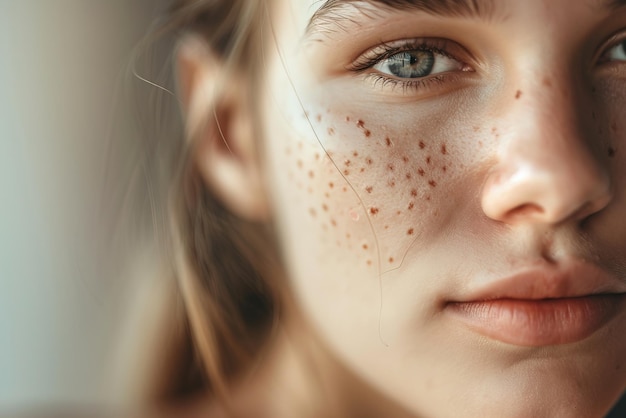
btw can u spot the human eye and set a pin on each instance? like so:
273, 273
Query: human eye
616, 51
412, 65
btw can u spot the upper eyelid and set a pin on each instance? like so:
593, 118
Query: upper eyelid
612, 41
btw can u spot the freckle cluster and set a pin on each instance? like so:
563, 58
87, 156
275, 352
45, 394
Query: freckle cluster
368, 172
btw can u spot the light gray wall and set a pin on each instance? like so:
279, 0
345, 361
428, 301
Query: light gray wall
59, 66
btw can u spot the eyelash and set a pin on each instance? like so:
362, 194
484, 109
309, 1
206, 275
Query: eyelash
377, 55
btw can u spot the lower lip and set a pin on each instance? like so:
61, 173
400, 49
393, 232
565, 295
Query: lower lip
536, 323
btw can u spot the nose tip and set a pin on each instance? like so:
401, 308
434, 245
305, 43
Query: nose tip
548, 193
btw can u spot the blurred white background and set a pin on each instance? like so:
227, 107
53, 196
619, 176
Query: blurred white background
60, 63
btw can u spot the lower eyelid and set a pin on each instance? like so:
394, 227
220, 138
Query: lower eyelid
421, 87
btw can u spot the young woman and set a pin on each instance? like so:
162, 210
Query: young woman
391, 208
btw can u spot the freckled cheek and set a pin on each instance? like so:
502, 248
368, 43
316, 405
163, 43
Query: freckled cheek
366, 189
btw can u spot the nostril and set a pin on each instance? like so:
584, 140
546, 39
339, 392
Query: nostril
526, 211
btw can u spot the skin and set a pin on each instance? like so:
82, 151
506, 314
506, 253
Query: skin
391, 201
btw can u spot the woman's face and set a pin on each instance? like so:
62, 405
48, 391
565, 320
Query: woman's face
449, 184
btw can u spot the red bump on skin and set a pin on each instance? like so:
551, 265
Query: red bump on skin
422, 145
317, 156
311, 174
391, 259
428, 160
444, 150
347, 118
390, 167
432, 183
333, 222
347, 163
414, 193
355, 154
331, 184
546, 82
369, 262
369, 189
369, 161
331, 131
428, 198
386, 226
346, 172
444, 168
325, 207
392, 183
408, 176
318, 118
410, 231
299, 163
361, 170
421, 172
518, 94
360, 123
313, 212
612, 152
476, 128
373, 210
411, 206
367, 133
344, 189
327, 195
388, 141
405, 159
365, 247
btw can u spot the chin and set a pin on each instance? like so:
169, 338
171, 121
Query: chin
550, 391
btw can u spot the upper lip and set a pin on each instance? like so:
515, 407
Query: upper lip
571, 279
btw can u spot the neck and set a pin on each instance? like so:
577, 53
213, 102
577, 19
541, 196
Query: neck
300, 377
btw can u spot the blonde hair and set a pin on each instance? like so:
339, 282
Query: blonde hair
226, 292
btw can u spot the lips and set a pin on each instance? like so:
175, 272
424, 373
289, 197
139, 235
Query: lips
543, 306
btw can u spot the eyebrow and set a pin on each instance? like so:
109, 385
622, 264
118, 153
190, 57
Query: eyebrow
333, 11
330, 14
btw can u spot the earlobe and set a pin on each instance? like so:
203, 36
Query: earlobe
219, 127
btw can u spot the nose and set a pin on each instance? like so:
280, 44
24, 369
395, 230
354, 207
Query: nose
545, 169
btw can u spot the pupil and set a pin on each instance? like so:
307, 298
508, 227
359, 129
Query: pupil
411, 64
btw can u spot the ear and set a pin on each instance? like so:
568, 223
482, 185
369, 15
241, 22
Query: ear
219, 123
